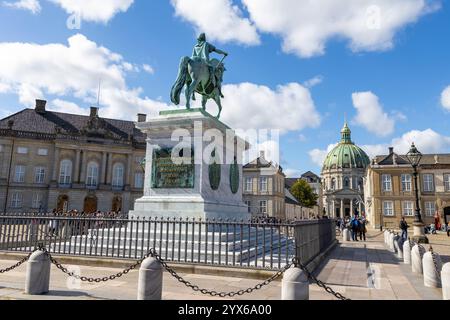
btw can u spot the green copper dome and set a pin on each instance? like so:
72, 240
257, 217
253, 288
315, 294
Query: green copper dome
346, 154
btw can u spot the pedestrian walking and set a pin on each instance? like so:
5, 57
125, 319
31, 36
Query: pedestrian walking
362, 229
354, 223
404, 227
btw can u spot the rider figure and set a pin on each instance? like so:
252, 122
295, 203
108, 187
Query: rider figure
201, 51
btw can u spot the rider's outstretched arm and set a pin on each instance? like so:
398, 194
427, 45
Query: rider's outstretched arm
220, 52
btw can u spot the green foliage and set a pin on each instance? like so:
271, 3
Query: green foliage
303, 192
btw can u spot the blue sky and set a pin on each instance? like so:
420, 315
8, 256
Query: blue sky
389, 80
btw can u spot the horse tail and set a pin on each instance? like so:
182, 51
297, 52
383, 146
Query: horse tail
180, 82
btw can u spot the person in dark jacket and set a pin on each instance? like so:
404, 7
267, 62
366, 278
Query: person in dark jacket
404, 227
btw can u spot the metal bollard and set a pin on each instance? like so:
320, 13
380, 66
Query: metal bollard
37, 280
391, 242
295, 285
398, 244
416, 259
445, 279
346, 235
150, 280
407, 252
431, 276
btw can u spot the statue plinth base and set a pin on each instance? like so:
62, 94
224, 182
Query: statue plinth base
198, 191
419, 233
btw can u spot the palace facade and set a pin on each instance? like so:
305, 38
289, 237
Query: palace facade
390, 193
52, 160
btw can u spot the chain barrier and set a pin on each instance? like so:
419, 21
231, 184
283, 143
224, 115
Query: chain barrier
90, 279
295, 262
436, 268
18, 264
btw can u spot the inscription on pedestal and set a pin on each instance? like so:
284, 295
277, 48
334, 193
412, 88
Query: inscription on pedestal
169, 175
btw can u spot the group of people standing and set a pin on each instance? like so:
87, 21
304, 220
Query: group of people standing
357, 226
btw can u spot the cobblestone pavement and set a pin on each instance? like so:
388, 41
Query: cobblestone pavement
358, 270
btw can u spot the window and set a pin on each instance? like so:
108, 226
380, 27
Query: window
249, 206
65, 172
118, 171
408, 209
447, 182
346, 183
387, 182
263, 207
388, 208
22, 150
16, 200
92, 175
39, 175
406, 182
428, 182
139, 180
263, 184
42, 152
333, 184
248, 184
430, 209
19, 176
37, 201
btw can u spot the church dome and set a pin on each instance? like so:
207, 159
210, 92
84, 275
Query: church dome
346, 154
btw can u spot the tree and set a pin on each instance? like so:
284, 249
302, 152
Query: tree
304, 194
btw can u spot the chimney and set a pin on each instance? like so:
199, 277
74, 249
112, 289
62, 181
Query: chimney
40, 106
142, 117
94, 112
391, 150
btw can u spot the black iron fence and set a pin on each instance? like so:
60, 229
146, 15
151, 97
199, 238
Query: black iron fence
258, 245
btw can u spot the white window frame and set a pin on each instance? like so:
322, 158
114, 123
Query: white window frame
65, 172
388, 211
22, 150
42, 152
139, 180
16, 200
386, 181
248, 184
406, 182
263, 207
428, 185
92, 175
19, 174
263, 184
36, 203
408, 208
39, 175
118, 176
430, 208
447, 182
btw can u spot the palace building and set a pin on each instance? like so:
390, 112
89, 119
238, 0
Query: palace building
343, 178
51, 160
390, 193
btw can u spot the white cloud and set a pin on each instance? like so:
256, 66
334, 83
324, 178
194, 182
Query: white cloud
250, 106
371, 115
72, 71
306, 26
221, 19
292, 173
445, 98
318, 156
427, 141
63, 106
31, 5
313, 81
89, 10
148, 68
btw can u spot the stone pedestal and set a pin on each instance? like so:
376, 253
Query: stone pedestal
419, 233
193, 168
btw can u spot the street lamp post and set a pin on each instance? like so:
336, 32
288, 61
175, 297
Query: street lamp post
414, 156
